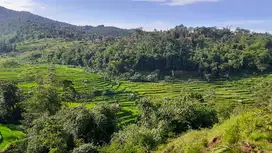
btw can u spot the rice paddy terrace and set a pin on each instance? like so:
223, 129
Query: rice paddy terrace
229, 92
226, 93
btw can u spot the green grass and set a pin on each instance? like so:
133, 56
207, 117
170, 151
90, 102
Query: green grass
9, 135
233, 135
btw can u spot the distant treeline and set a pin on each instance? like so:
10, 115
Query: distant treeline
208, 51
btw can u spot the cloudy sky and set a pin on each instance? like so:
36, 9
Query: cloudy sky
153, 14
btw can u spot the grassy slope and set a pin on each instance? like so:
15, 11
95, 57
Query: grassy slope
9, 135
233, 135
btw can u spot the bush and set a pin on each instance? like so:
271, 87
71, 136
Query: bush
168, 78
68, 128
193, 96
108, 92
137, 77
179, 115
134, 139
9, 64
153, 76
132, 96
17, 146
86, 148
96, 92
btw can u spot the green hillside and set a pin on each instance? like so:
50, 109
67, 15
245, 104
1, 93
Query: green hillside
19, 26
233, 135
84, 89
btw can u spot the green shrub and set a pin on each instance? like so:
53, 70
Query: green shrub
17, 146
86, 148
9, 64
96, 92
168, 79
133, 139
108, 92
180, 115
137, 77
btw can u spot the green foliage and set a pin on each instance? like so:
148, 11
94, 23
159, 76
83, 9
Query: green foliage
10, 112
68, 129
9, 134
69, 92
209, 52
19, 26
47, 135
161, 119
263, 93
9, 64
86, 148
250, 130
179, 115
158, 122
45, 99
18, 146
133, 139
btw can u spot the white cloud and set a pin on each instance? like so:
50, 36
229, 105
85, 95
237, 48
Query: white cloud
21, 5
178, 2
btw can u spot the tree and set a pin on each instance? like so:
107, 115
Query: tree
69, 130
45, 100
10, 112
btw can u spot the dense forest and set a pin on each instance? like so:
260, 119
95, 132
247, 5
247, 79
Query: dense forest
85, 89
207, 51
145, 56
20, 26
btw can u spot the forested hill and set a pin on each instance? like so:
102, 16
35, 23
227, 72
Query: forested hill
19, 26
208, 52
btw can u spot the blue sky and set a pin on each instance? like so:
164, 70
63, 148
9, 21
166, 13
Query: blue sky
151, 14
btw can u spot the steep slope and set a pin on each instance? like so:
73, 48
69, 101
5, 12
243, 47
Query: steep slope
19, 26
232, 136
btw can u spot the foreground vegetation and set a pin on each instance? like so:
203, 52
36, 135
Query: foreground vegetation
248, 132
220, 98
65, 89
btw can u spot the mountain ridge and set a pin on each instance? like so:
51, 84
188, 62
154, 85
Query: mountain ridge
22, 25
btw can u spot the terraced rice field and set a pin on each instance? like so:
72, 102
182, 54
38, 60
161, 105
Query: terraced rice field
224, 93
220, 93
83, 82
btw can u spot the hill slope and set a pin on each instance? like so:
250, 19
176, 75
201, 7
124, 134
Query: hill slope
233, 135
19, 26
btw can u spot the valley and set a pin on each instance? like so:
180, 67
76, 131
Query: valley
101, 89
